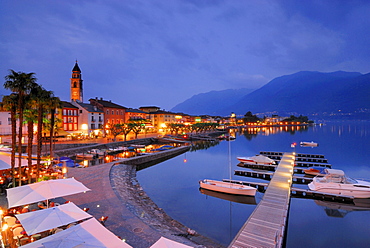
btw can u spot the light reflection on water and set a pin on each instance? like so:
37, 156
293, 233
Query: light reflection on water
173, 185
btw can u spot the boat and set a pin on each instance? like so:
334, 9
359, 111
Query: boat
315, 171
336, 182
258, 159
310, 144
85, 155
227, 187
228, 197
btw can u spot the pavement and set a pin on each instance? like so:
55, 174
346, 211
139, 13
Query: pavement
132, 215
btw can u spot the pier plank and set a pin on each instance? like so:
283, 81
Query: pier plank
265, 227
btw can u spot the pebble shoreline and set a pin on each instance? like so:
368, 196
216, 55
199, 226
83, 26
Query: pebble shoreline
127, 188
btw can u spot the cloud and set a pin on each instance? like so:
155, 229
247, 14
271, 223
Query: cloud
163, 52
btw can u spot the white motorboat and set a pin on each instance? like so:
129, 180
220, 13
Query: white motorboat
336, 182
258, 159
85, 155
310, 144
227, 187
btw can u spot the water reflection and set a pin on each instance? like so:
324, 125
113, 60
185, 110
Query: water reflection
252, 132
335, 209
251, 200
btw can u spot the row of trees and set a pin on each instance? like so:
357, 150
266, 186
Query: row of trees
251, 118
29, 103
175, 128
137, 126
133, 125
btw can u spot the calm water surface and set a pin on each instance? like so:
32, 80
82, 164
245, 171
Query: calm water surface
173, 186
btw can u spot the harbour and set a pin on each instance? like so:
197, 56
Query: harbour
305, 207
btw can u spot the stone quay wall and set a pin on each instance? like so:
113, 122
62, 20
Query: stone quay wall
158, 156
71, 149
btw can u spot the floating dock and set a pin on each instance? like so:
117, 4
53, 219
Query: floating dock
265, 227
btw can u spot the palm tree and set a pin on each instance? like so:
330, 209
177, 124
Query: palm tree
43, 96
10, 103
54, 103
20, 83
30, 116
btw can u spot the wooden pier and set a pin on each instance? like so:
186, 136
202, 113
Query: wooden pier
265, 227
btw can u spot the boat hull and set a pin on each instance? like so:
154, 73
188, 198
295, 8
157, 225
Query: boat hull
227, 187
340, 189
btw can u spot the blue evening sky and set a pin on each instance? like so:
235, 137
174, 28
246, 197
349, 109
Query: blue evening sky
162, 52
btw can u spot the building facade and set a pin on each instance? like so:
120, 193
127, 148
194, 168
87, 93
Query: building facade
91, 119
69, 118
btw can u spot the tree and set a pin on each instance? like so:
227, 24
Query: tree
137, 125
20, 83
30, 116
10, 103
43, 96
116, 130
126, 129
54, 103
249, 117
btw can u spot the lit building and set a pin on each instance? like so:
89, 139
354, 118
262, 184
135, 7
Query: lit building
91, 119
113, 113
69, 117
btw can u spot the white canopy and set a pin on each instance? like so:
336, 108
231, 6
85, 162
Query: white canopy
43, 190
89, 233
167, 243
46, 219
262, 159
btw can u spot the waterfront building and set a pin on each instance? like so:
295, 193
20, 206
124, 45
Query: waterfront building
160, 118
149, 109
135, 114
69, 116
5, 127
91, 119
113, 113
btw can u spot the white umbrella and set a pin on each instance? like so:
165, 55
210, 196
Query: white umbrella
43, 190
46, 219
167, 243
89, 233
4, 165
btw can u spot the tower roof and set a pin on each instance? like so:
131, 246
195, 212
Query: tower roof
76, 68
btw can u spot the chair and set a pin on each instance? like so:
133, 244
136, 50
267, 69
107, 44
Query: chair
10, 220
58, 230
17, 233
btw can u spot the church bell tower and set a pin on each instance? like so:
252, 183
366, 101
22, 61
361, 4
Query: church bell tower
76, 84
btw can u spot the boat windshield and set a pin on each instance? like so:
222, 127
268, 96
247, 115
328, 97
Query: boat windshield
350, 180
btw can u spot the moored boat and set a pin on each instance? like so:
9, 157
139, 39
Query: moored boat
258, 159
227, 187
85, 155
310, 144
315, 171
336, 182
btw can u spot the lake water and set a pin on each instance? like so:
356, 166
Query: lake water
173, 186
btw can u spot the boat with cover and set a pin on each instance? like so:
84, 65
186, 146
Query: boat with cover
336, 182
227, 187
310, 144
258, 159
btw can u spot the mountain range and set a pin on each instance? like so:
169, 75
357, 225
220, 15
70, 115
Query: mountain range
307, 92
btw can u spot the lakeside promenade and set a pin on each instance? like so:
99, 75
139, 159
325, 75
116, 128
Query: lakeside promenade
132, 215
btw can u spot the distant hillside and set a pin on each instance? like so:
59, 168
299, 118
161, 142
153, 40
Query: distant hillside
307, 93
212, 102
